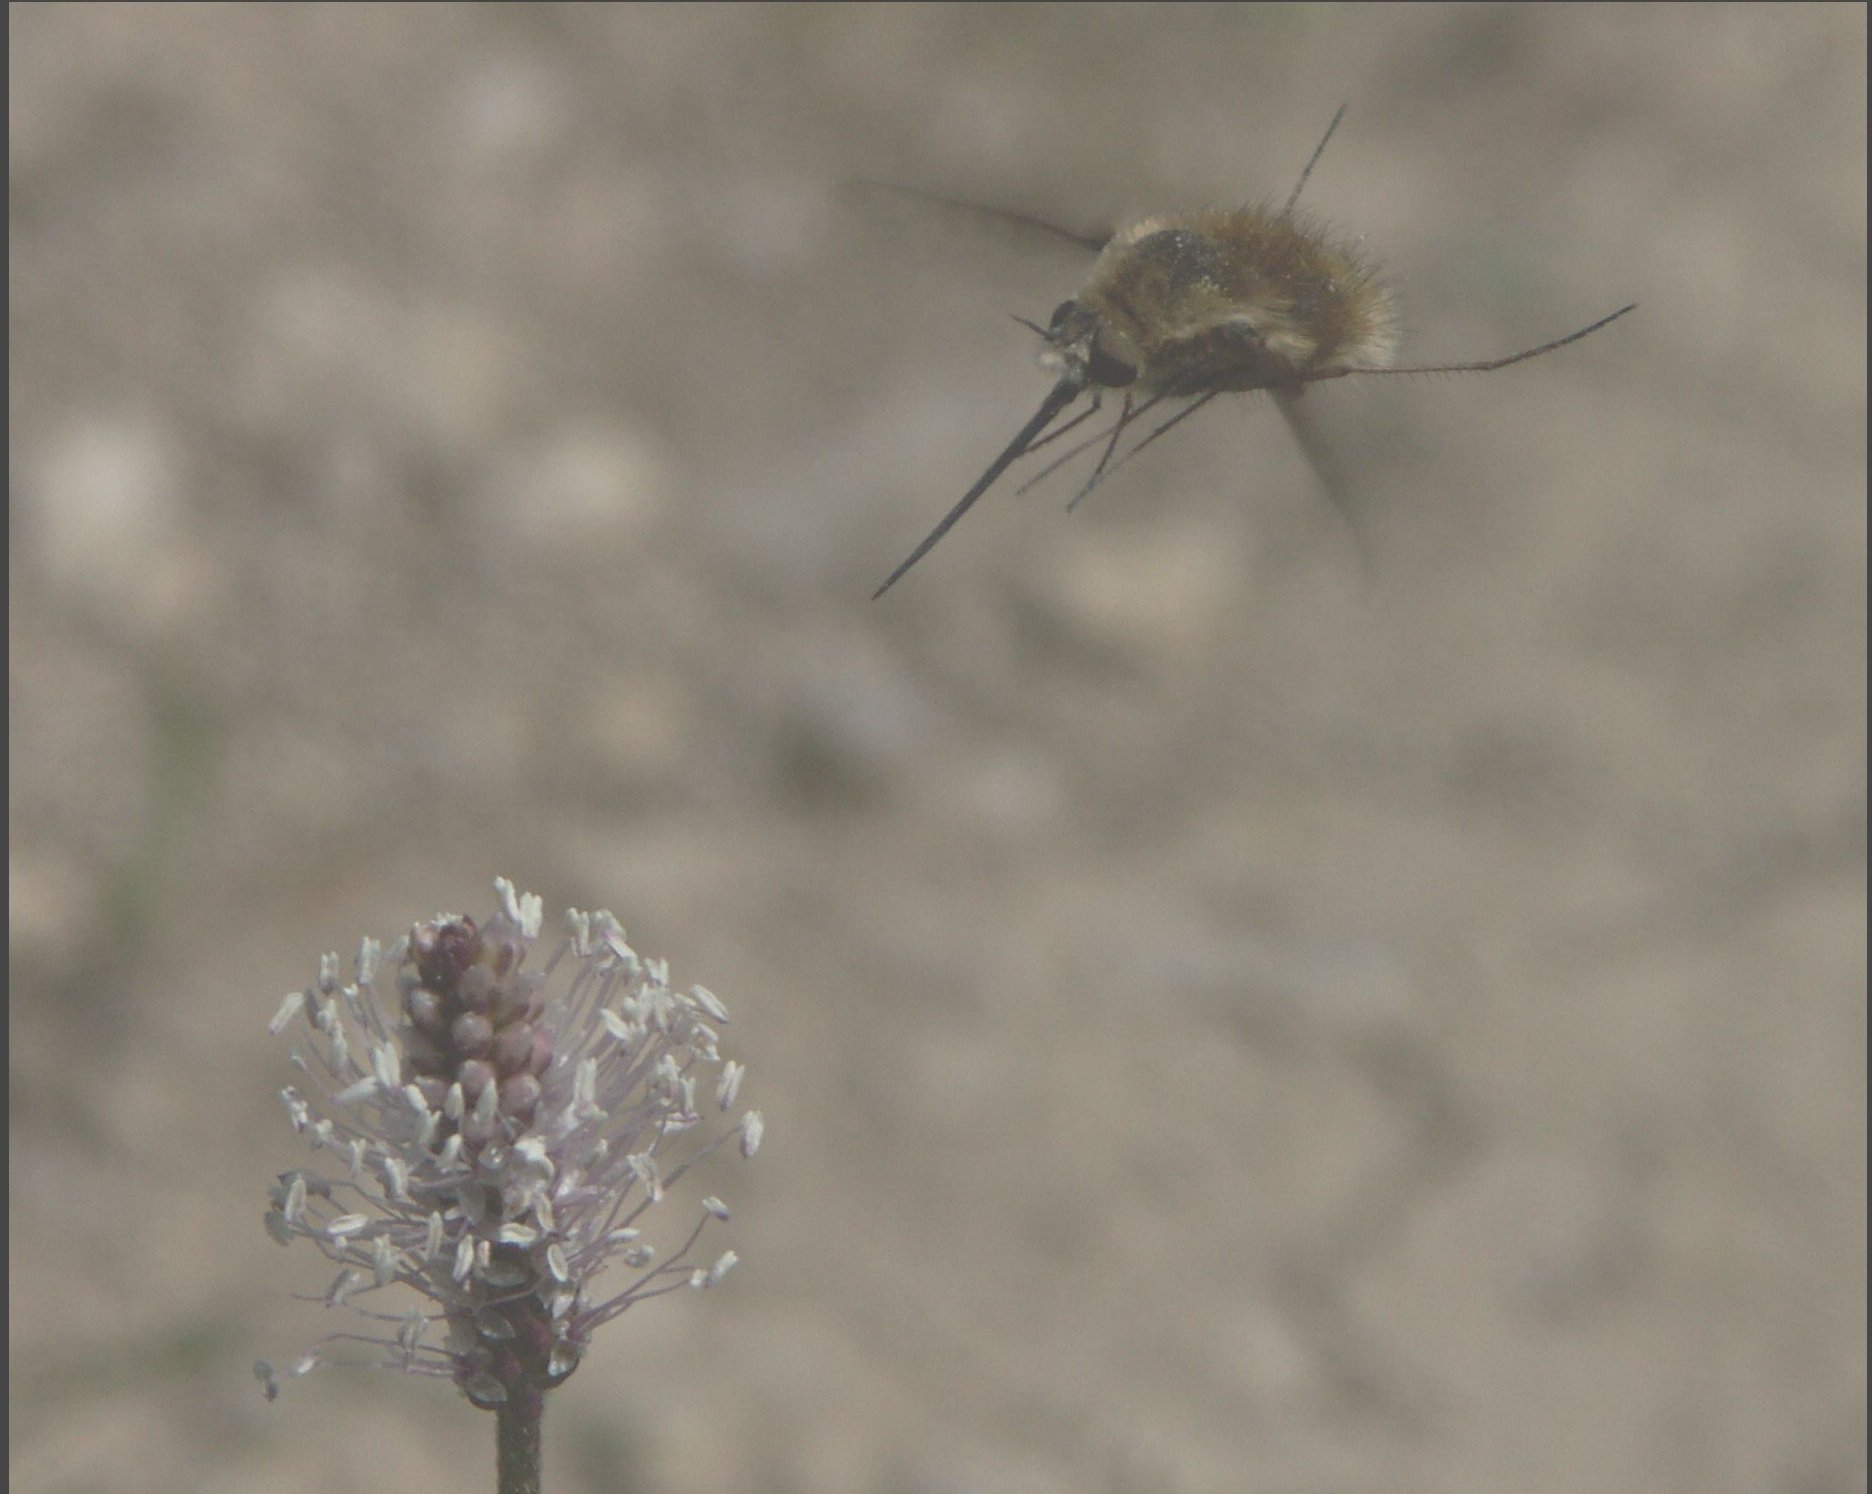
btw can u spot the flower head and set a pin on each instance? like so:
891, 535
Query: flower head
500, 1138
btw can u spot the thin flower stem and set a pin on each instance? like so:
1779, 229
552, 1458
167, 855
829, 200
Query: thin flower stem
519, 1453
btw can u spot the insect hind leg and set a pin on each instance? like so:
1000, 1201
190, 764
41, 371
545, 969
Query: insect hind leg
1107, 467
1084, 444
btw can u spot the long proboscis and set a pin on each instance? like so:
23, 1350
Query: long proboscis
1063, 394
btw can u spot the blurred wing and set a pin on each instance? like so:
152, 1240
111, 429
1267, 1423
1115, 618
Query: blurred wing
1328, 469
864, 191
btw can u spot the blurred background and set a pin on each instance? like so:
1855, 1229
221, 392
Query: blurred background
1225, 1022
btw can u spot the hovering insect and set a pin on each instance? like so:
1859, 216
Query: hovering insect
1191, 306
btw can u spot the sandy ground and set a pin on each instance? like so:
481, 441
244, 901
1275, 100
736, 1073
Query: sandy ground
1223, 1023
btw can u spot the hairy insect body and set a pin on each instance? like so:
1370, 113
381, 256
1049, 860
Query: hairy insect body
1223, 301
1189, 307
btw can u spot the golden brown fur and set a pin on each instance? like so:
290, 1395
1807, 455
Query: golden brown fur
1236, 299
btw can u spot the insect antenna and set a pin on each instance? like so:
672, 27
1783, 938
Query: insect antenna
1062, 395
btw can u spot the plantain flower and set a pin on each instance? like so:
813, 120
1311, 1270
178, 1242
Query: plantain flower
492, 1135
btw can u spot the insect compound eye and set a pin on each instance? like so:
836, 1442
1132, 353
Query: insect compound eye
1062, 314
1108, 372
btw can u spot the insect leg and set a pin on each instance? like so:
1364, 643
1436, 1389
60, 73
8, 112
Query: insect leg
1105, 471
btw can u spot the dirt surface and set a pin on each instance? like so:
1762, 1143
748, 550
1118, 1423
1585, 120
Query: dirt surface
1225, 1020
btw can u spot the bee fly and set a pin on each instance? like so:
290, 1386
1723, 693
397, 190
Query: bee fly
1191, 306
